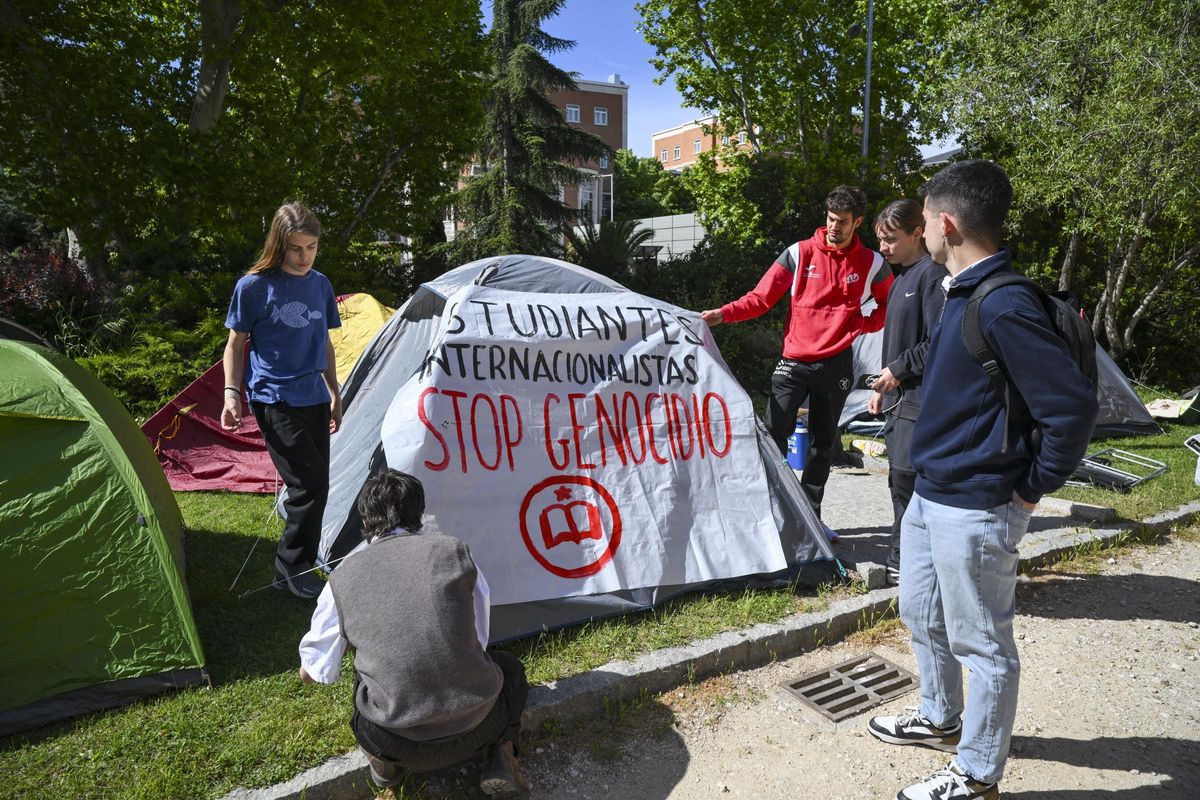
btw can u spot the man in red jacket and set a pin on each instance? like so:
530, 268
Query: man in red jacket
830, 276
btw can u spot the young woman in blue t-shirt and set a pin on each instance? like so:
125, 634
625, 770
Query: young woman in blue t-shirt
285, 309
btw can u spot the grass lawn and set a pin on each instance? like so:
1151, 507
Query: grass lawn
259, 724
1168, 490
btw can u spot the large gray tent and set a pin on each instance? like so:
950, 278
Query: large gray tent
1122, 412
395, 355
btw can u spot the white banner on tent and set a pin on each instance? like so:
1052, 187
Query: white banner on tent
584, 443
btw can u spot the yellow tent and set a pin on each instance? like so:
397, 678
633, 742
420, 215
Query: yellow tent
362, 317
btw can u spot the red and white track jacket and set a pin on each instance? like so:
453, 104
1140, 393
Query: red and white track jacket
828, 289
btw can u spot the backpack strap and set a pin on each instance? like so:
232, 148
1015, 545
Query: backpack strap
976, 344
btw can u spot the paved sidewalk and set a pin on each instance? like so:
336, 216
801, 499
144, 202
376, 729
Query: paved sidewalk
858, 506
1109, 708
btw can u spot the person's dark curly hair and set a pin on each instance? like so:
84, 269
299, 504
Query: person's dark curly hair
847, 198
390, 499
978, 194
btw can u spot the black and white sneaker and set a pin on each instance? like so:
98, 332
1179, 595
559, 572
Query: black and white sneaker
911, 728
950, 784
301, 582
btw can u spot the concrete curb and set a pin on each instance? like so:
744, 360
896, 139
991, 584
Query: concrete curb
345, 777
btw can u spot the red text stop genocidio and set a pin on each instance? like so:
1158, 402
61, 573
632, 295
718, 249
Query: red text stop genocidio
630, 428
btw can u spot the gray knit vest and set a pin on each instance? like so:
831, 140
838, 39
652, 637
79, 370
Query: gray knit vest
407, 607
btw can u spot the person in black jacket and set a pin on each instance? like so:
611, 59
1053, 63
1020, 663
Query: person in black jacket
974, 495
914, 305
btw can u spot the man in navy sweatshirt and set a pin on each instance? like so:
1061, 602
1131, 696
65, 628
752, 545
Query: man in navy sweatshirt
974, 497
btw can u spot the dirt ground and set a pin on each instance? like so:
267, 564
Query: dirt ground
1109, 708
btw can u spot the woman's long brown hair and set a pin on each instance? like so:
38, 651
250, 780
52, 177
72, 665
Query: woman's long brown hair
290, 218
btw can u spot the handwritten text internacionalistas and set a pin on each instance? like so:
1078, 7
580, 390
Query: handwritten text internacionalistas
571, 346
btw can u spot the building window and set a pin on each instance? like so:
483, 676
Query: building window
601, 115
603, 162
572, 112
585, 199
663, 155
675, 154
696, 146
742, 137
725, 140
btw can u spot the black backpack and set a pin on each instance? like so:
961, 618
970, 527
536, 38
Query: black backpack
1065, 318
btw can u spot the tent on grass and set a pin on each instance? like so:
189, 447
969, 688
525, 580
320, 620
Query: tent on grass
1121, 411
588, 443
197, 454
96, 609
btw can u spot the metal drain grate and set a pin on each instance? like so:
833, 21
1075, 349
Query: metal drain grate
853, 686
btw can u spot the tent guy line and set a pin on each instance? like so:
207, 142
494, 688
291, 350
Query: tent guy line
325, 566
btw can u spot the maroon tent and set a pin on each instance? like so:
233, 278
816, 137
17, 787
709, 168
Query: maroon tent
197, 454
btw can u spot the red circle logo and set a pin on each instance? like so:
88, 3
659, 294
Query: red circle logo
571, 525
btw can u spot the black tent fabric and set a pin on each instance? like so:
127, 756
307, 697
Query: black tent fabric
1122, 412
19, 333
396, 353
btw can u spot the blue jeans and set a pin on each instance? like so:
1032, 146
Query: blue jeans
958, 582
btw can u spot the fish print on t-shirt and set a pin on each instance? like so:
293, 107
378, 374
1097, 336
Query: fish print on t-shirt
295, 314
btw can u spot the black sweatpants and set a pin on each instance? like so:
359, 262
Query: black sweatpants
503, 723
902, 478
298, 441
826, 384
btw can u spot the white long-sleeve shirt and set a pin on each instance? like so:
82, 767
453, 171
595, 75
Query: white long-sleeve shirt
322, 648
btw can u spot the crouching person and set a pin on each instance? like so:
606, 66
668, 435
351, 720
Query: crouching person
415, 609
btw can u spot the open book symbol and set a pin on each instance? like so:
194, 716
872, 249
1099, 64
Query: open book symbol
576, 521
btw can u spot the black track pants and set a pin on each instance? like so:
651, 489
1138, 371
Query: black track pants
825, 384
298, 442
902, 479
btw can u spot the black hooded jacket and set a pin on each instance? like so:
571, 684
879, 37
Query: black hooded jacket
914, 306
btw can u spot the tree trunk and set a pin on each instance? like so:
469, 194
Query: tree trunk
1067, 274
218, 23
1120, 346
1109, 271
737, 97
1168, 275
385, 170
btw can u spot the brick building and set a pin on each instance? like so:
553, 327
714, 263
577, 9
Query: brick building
680, 147
601, 108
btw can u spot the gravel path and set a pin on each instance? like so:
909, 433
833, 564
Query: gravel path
1110, 707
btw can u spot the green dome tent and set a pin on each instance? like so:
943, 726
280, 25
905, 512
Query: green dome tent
96, 609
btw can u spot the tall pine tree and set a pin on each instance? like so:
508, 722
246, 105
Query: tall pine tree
528, 151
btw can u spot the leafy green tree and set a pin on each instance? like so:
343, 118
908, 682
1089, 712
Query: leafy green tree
671, 190
1094, 108
528, 150
789, 74
609, 248
634, 180
164, 134
644, 189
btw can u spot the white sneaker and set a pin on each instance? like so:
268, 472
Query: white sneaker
911, 728
950, 784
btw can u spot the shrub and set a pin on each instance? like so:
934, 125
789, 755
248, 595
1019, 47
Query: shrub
39, 286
